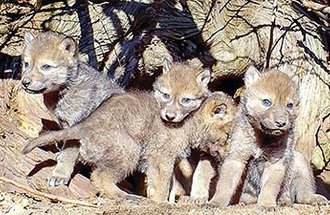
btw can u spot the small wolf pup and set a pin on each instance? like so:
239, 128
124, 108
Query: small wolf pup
111, 138
179, 95
71, 89
223, 109
263, 135
216, 117
126, 133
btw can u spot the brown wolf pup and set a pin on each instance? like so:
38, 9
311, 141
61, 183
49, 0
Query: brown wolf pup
111, 138
71, 89
263, 135
126, 133
180, 90
196, 174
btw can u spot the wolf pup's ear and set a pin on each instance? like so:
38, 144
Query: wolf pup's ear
28, 37
251, 75
204, 77
68, 45
167, 64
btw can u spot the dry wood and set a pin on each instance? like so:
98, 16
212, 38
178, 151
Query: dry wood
316, 6
45, 195
20, 119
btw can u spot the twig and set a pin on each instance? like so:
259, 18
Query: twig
45, 195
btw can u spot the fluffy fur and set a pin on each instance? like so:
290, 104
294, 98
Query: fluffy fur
71, 89
262, 136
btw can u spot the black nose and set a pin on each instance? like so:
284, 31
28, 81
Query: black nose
280, 123
26, 82
169, 117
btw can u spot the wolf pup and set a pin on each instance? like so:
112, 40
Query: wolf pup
263, 135
71, 89
194, 177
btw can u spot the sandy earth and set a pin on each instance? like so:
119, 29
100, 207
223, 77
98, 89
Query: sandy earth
21, 204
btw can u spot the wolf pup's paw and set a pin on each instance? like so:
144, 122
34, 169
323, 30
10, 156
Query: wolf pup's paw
318, 199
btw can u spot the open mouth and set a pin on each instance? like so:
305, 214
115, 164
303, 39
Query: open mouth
34, 91
172, 124
275, 132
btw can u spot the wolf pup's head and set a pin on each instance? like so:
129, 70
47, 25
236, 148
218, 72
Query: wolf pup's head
271, 101
47, 59
216, 115
180, 90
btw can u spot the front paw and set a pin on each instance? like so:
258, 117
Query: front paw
58, 177
267, 206
218, 203
318, 199
150, 191
284, 201
54, 181
190, 200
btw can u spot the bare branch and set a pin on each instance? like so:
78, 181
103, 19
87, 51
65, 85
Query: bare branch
45, 195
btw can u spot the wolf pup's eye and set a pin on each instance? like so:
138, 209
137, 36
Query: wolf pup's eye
221, 109
290, 105
46, 67
266, 102
165, 96
186, 101
26, 64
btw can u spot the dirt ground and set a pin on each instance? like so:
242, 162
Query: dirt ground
15, 203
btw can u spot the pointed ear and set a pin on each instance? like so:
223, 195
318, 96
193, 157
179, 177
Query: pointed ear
28, 37
68, 45
167, 64
204, 77
296, 79
251, 75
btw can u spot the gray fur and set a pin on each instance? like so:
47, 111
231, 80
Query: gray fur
78, 88
263, 137
252, 141
85, 90
125, 134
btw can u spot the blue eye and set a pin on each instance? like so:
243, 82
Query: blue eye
165, 97
290, 105
266, 102
46, 67
186, 100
